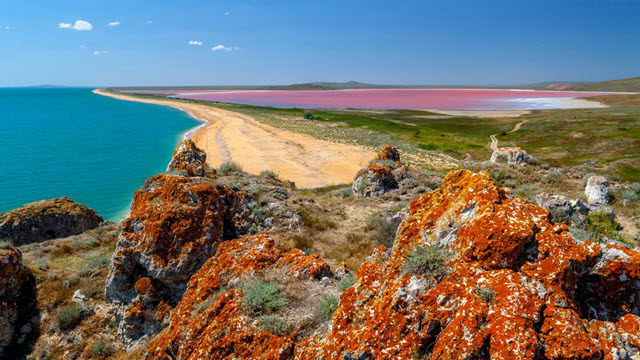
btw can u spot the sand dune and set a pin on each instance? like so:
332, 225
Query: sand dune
231, 136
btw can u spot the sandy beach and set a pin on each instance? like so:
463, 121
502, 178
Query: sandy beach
231, 136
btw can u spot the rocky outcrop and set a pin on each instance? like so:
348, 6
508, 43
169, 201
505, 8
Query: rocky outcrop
475, 273
559, 204
45, 220
212, 322
188, 160
382, 175
176, 223
17, 303
597, 190
511, 156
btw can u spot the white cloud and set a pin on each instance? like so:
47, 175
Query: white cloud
7, 27
113, 23
79, 25
149, 22
224, 48
227, 13
195, 42
101, 52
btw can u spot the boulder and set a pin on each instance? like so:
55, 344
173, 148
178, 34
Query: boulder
17, 302
389, 153
189, 160
212, 322
475, 273
511, 156
45, 220
376, 180
382, 175
597, 190
176, 223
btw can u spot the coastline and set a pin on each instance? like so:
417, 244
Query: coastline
229, 136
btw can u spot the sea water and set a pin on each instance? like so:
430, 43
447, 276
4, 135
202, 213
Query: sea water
94, 149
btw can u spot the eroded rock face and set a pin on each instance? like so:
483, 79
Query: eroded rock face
17, 302
45, 220
189, 160
210, 322
510, 155
514, 286
176, 224
597, 190
381, 176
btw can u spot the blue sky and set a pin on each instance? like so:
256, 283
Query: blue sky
282, 42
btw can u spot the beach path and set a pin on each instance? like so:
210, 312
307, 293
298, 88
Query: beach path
231, 136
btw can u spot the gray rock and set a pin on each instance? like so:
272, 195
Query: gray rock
510, 155
45, 220
597, 190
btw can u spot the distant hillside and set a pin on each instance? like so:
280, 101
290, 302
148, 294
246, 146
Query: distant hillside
625, 85
323, 85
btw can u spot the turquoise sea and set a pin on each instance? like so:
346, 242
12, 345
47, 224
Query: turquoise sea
70, 142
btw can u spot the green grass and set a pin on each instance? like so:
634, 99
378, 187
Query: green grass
261, 297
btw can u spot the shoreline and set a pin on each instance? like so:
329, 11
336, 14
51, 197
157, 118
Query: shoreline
229, 136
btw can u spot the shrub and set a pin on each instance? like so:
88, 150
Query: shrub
384, 231
309, 220
310, 116
428, 260
261, 297
554, 177
5, 245
635, 187
70, 316
485, 293
229, 167
274, 324
268, 174
303, 242
346, 282
100, 261
97, 348
327, 306
346, 193
629, 195
601, 225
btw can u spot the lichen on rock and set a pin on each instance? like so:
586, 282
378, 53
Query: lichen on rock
17, 302
519, 287
189, 160
45, 220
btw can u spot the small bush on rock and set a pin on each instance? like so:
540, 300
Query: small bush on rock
261, 297
428, 260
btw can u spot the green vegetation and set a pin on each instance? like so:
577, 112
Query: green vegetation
230, 167
70, 316
261, 297
274, 324
601, 225
315, 222
383, 231
327, 307
346, 282
431, 260
310, 116
485, 293
268, 174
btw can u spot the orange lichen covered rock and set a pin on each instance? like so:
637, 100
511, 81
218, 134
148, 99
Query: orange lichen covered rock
210, 322
375, 180
189, 160
17, 301
175, 225
389, 153
512, 285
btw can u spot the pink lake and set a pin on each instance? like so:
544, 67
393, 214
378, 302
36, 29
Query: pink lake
441, 99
